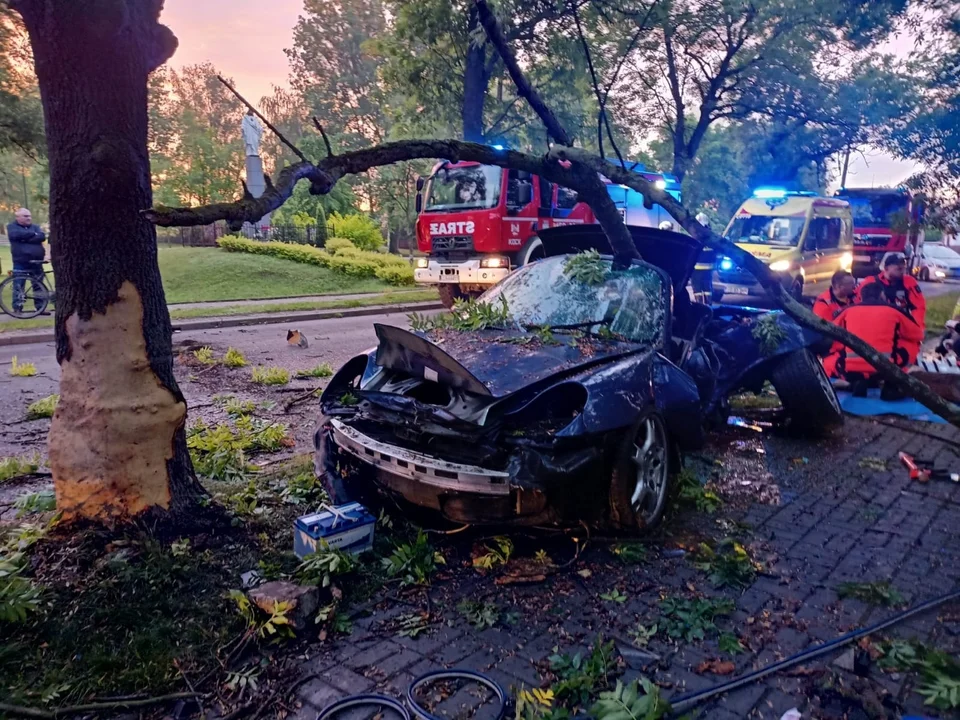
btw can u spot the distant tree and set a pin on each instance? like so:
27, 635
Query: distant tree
727, 60
21, 116
932, 134
334, 71
444, 77
195, 141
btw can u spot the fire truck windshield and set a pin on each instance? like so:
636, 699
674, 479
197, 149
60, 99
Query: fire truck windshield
475, 187
767, 230
889, 211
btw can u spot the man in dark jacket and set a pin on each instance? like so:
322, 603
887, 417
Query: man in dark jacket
26, 246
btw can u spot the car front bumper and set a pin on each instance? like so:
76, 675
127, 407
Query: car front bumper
467, 272
537, 487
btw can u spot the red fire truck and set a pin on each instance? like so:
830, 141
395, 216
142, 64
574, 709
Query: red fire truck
477, 222
884, 220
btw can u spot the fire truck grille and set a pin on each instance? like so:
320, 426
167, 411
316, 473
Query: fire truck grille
448, 244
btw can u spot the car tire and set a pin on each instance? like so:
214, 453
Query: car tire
450, 293
643, 459
531, 252
806, 394
925, 275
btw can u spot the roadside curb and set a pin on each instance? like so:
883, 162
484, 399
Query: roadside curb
244, 320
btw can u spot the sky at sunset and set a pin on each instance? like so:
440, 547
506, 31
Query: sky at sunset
245, 40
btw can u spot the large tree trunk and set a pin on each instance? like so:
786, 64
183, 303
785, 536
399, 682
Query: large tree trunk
475, 83
117, 443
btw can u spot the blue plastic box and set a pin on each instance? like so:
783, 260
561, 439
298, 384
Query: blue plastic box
347, 527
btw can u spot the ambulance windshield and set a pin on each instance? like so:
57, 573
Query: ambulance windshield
474, 187
767, 230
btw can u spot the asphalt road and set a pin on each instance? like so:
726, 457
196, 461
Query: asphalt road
333, 341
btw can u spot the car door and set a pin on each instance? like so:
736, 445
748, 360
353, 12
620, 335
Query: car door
823, 244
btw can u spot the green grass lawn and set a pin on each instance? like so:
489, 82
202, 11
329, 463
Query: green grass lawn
939, 310
199, 274
202, 274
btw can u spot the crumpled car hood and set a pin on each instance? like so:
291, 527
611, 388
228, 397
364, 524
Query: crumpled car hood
494, 363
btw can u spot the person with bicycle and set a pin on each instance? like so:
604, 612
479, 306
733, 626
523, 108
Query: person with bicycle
26, 246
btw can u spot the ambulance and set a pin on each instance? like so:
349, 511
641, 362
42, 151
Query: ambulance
802, 236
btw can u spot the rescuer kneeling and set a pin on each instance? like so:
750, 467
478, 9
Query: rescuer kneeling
892, 332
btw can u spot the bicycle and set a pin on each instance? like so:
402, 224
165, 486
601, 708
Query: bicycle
24, 294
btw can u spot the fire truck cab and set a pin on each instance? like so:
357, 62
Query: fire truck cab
884, 220
477, 223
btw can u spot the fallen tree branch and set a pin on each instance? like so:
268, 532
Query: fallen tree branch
249, 209
296, 151
495, 34
323, 134
591, 189
95, 708
770, 281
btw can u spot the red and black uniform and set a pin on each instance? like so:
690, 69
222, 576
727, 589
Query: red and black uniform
827, 305
903, 294
888, 330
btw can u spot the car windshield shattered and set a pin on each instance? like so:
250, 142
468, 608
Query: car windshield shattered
583, 291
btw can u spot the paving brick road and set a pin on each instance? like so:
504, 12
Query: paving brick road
834, 518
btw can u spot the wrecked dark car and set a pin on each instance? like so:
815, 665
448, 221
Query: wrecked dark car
567, 393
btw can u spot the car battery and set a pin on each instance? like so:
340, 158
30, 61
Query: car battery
343, 527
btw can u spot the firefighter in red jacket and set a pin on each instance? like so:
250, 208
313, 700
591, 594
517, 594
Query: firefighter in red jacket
892, 332
839, 296
901, 290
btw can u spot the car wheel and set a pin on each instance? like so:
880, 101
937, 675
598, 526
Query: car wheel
806, 394
925, 275
640, 483
450, 293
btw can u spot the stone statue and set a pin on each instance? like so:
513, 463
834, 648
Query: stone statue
252, 131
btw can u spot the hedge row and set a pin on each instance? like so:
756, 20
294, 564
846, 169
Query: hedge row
339, 254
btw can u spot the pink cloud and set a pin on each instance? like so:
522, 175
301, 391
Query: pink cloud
244, 39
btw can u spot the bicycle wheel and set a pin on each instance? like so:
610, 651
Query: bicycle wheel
23, 297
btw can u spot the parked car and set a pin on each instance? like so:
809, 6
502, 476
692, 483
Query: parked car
566, 394
939, 262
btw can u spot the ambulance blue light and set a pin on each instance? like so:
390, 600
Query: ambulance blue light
498, 147
770, 193
726, 264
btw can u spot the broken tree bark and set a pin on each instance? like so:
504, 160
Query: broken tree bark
769, 280
117, 443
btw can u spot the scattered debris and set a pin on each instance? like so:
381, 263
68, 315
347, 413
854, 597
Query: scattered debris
250, 579
298, 601
297, 339
845, 660
873, 463
716, 667
728, 566
879, 594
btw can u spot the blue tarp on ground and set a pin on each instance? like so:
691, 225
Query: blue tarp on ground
872, 405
